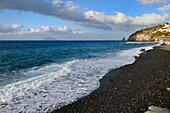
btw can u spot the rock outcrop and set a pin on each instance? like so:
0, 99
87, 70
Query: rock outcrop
160, 32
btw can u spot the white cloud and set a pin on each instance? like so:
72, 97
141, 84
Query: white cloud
150, 19
54, 30
15, 29
44, 32
48, 33
148, 2
164, 8
69, 11
57, 8
100, 17
12, 28
124, 21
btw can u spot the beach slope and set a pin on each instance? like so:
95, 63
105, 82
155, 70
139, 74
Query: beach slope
131, 88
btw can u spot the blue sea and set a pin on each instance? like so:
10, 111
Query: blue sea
40, 76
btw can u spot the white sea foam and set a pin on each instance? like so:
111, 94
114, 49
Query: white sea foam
60, 84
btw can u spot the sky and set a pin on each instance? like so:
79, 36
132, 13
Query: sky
79, 19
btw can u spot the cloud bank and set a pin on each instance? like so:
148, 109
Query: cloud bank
124, 21
12, 28
15, 29
45, 33
70, 12
57, 8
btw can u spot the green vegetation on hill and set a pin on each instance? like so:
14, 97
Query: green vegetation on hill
160, 32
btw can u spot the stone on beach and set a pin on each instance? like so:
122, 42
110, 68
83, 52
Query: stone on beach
168, 89
154, 109
130, 81
135, 56
142, 50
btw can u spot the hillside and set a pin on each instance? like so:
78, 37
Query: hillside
160, 32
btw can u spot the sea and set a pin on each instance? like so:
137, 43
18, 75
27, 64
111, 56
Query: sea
41, 76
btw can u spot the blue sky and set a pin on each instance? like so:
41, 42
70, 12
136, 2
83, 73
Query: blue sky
78, 19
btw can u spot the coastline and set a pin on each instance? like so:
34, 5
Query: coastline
131, 88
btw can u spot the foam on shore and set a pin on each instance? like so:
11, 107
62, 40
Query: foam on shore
60, 84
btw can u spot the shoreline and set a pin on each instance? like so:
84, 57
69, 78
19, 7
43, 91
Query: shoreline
131, 88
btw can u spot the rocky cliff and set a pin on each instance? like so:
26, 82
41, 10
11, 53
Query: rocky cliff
160, 32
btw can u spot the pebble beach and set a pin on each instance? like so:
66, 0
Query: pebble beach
131, 88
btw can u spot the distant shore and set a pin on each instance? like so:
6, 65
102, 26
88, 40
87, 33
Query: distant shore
131, 88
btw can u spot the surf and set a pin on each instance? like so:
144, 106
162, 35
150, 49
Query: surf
59, 84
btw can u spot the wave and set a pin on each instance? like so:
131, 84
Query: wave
57, 85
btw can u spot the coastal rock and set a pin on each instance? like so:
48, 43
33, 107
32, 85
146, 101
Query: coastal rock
159, 33
124, 39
